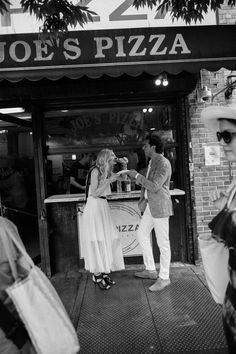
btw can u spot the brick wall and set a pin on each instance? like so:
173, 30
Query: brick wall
207, 178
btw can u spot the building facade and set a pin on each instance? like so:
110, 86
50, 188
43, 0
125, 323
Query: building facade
97, 89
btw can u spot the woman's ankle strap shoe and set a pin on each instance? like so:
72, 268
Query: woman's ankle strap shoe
107, 279
100, 281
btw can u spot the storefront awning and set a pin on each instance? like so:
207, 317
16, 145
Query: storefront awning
119, 51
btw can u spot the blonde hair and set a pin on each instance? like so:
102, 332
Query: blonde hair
103, 163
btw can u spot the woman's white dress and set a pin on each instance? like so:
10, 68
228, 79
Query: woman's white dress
100, 241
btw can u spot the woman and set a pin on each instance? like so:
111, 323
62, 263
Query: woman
100, 242
222, 121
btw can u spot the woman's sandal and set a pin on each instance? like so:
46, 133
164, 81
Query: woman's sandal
107, 279
100, 281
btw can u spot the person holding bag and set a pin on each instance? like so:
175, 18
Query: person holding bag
30, 305
222, 121
14, 338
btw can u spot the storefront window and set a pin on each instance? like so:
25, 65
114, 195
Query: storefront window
108, 127
70, 134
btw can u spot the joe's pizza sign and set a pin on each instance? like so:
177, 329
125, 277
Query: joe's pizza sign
120, 50
91, 47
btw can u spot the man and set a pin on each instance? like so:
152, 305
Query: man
78, 173
156, 206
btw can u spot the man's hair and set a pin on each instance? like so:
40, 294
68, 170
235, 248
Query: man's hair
84, 154
156, 140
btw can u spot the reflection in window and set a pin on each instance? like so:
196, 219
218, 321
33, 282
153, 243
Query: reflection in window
109, 127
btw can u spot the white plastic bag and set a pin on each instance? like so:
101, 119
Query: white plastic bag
215, 258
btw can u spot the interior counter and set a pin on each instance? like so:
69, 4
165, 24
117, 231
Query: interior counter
64, 198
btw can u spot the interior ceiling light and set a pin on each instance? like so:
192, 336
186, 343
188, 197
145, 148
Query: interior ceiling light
64, 110
149, 110
12, 110
162, 80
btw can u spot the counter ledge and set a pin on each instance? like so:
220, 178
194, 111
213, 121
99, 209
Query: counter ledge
63, 198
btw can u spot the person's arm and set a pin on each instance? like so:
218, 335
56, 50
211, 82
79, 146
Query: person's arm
96, 190
220, 197
76, 184
162, 171
7, 346
119, 177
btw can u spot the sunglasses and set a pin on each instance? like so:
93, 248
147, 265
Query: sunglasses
226, 136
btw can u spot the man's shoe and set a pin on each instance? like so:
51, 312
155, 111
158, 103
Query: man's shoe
146, 274
160, 284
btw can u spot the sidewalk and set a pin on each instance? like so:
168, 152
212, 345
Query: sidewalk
129, 319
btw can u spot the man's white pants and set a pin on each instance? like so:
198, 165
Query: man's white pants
161, 227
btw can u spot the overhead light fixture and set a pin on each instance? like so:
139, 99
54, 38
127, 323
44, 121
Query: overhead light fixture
12, 110
162, 80
165, 82
231, 85
64, 110
158, 81
144, 110
150, 109
206, 93
73, 157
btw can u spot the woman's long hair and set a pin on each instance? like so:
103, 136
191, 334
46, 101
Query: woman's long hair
103, 163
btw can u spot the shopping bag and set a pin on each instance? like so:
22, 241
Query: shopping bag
215, 258
39, 306
223, 225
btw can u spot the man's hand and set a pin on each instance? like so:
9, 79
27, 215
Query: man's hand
132, 173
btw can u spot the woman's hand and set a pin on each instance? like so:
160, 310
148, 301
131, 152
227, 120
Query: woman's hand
113, 178
219, 198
